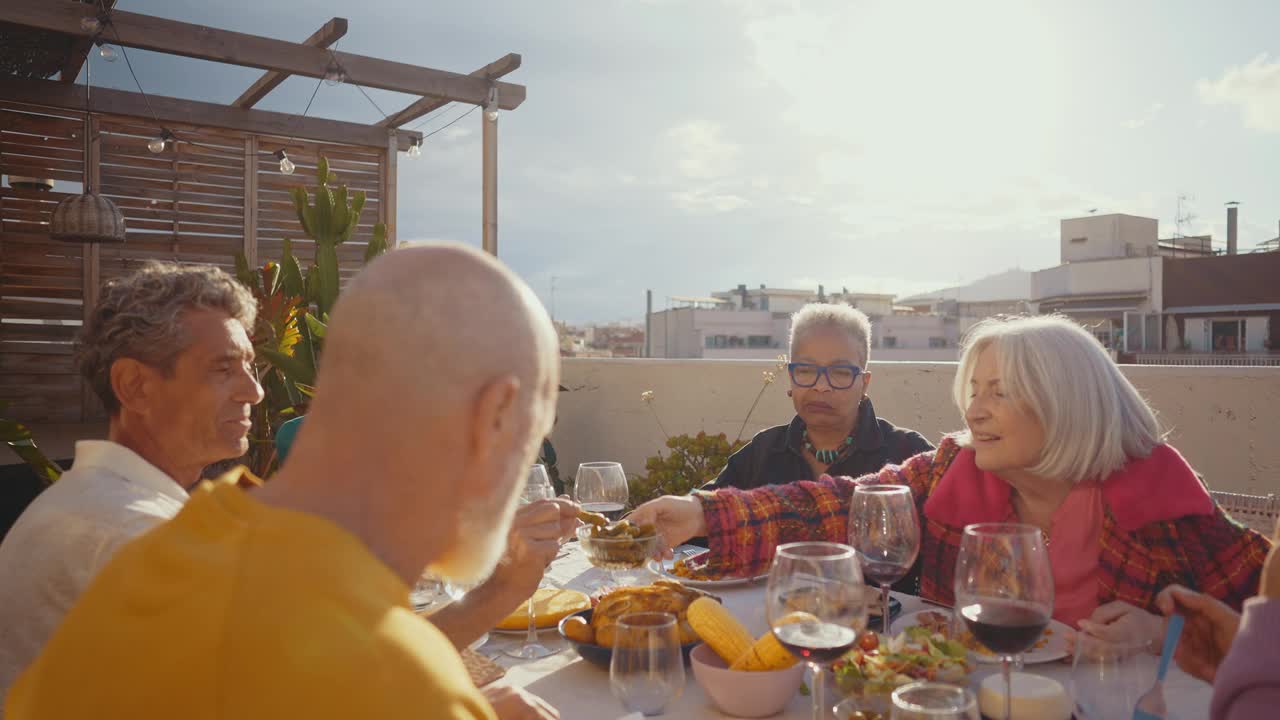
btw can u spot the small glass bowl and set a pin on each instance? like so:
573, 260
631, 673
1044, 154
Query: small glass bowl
617, 553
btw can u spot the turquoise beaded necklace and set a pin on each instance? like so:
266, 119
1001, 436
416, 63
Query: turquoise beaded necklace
827, 457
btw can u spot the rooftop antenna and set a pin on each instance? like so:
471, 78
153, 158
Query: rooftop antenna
1182, 221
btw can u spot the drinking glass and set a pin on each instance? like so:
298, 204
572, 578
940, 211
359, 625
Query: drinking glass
1004, 590
537, 487
884, 530
934, 701
647, 669
816, 605
1108, 678
601, 487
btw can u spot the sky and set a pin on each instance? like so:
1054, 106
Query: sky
687, 146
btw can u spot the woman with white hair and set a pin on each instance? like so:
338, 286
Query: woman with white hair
835, 430
1056, 437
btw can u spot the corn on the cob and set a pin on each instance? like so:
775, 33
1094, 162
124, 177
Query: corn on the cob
719, 629
767, 653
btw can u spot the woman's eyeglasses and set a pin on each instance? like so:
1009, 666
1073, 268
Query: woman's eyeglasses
839, 377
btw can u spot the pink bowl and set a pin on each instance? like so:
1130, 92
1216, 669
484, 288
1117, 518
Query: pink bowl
740, 693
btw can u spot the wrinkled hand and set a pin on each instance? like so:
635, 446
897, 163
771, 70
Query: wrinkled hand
511, 703
677, 518
532, 544
1206, 637
1121, 622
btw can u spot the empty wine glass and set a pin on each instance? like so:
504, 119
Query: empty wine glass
647, 669
537, 487
1004, 590
884, 530
1108, 678
934, 701
816, 605
601, 487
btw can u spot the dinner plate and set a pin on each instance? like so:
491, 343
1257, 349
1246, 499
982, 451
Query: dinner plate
664, 569
1054, 647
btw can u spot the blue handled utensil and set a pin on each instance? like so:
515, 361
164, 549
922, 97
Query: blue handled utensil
1151, 705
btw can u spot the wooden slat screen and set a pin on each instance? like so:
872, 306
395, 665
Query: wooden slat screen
187, 204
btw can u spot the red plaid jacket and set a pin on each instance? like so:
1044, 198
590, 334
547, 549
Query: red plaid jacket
1196, 544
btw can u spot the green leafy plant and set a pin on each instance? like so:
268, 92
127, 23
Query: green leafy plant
693, 460
294, 307
18, 437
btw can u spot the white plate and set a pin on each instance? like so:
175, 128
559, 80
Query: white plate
664, 569
479, 642
1055, 649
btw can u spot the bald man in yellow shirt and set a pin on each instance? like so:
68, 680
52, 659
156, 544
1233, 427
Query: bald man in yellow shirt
438, 380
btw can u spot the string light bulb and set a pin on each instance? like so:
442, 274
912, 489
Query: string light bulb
90, 24
157, 144
334, 74
415, 148
286, 165
107, 53
491, 107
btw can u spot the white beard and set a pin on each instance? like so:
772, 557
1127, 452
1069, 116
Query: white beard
480, 545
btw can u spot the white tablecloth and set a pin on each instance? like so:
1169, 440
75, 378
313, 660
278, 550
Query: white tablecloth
581, 690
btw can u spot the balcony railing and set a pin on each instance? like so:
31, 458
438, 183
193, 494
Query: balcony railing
1220, 359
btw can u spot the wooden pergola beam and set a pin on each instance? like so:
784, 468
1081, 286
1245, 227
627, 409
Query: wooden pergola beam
494, 70
326, 36
79, 51
51, 93
204, 43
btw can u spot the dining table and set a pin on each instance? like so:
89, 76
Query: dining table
579, 689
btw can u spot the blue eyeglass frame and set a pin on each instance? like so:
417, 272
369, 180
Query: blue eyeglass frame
823, 371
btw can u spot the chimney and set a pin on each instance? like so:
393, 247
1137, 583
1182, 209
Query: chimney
1232, 230
742, 292
822, 295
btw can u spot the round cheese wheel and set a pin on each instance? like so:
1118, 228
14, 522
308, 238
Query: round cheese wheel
1035, 697
550, 606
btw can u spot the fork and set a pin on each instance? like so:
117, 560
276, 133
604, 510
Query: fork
1151, 705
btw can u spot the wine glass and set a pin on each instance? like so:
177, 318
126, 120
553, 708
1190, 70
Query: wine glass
884, 530
1108, 678
1004, 590
934, 701
816, 605
601, 487
646, 671
537, 487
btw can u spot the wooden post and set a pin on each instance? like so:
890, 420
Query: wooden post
490, 183
387, 196
90, 260
251, 200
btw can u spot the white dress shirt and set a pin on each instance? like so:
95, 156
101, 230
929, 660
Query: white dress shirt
68, 533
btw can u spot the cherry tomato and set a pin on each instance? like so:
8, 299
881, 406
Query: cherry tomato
869, 641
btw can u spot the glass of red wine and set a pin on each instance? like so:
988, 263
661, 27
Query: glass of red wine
601, 487
1004, 590
816, 605
884, 530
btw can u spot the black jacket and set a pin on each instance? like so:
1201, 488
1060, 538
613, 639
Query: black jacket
776, 456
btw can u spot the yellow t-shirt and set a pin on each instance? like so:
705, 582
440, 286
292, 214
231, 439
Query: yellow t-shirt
235, 609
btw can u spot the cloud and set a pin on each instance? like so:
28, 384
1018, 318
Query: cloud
700, 150
1254, 88
707, 199
1151, 113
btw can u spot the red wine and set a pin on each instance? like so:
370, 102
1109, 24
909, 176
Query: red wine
611, 510
882, 573
816, 642
1007, 627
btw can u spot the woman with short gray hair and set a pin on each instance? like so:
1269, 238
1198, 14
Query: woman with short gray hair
1056, 437
835, 430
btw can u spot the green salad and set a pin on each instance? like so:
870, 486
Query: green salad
878, 665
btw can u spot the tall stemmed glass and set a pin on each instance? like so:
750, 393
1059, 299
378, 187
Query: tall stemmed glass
1004, 590
816, 605
601, 487
884, 530
538, 487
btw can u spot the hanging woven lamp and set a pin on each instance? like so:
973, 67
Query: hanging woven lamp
87, 217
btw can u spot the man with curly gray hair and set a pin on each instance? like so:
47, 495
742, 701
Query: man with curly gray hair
167, 351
